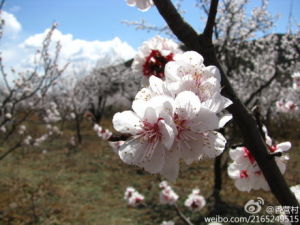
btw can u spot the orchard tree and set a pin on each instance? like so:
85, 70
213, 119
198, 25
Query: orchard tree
20, 97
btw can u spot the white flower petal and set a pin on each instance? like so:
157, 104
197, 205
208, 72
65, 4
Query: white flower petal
217, 103
193, 58
157, 161
233, 171
132, 151
224, 120
214, 144
191, 150
236, 153
171, 70
168, 134
205, 120
157, 86
284, 146
150, 115
163, 105
187, 104
215, 71
296, 190
126, 122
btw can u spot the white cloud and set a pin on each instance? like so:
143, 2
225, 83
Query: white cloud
81, 54
84, 52
12, 26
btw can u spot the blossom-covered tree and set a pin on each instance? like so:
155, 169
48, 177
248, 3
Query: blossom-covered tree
20, 96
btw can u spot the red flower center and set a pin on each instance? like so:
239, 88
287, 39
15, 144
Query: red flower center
243, 174
155, 64
248, 154
272, 148
194, 205
151, 131
179, 124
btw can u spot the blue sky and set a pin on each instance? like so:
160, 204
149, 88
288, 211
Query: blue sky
91, 32
101, 19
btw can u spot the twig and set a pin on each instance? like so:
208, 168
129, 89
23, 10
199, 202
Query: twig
10, 150
260, 89
119, 137
182, 217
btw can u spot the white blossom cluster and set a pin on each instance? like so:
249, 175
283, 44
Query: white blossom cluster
101, 132
245, 171
105, 134
28, 140
52, 114
133, 197
175, 116
195, 201
290, 103
152, 57
167, 195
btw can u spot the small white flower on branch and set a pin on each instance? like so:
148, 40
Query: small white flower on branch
245, 171
142, 5
133, 197
195, 201
152, 57
168, 196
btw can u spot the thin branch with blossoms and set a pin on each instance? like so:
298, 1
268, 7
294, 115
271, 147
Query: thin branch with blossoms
246, 122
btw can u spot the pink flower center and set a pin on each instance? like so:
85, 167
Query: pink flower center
194, 205
179, 125
198, 79
248, 155
272, 148
243, 174
155, 64
292, 106
151, 131
138, 200
258, 172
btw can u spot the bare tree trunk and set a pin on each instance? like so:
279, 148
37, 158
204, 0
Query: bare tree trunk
78, 128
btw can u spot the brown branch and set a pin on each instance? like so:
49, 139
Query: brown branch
209, 28
119, 137
246, 122
183, 31
10, 150
182, 217
260, 89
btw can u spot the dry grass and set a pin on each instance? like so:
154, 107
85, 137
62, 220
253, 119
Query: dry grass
86, 187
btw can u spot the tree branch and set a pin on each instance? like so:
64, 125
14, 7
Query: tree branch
182, 217
10, 150
246, 122
209, 28
183, 31
119, 137
260, 89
